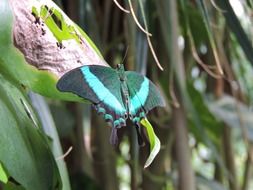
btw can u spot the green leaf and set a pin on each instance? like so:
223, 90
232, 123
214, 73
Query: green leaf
47, 122
207, 20
234, 113
12, 186
153, 140
236, 27
207, 184
13, 63
3, 175
24, 148
209, 122
61, 28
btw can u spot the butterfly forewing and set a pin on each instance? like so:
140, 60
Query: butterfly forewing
104, 81
73, 81
101, 86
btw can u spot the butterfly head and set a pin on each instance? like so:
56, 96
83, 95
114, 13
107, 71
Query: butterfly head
121, 71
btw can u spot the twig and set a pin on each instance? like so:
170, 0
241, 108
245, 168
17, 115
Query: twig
193, 47
65, 154
175, 101
120, 7
153, 53
216, 6
136, 20
148, 39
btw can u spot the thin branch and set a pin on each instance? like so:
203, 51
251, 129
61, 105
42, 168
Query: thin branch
202, 64
153, 53
148, 39
217, 7
65, 154
136, 20
175, 101
207, 22
218, 63
193, 47
120, 7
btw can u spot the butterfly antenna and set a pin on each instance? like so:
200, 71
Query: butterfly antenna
125, 55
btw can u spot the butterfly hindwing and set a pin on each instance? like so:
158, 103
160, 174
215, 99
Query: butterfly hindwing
101, 86
144, 95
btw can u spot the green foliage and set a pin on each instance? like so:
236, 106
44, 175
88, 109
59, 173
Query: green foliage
3, 175
61, 27
24, 148
237, 29
14, 66
12, 186
235, 114
209, 123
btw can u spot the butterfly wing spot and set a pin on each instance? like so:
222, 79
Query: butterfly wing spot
136, 120
122, 122
119, 123
108, 117
101, 110
142, 114
116, 123
116, 119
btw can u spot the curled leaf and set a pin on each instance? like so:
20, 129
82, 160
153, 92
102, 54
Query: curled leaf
153, 140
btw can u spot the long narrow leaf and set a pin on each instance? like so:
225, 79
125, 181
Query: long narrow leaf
24, 148
153, 140
237, 28
49, 128
207, 22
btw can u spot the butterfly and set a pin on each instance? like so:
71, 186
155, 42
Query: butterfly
116, 94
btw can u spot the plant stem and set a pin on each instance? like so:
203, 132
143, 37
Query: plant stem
186, 179
229, 158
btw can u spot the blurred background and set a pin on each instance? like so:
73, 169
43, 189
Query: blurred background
206, 130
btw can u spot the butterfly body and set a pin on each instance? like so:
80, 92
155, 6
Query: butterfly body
115, 93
